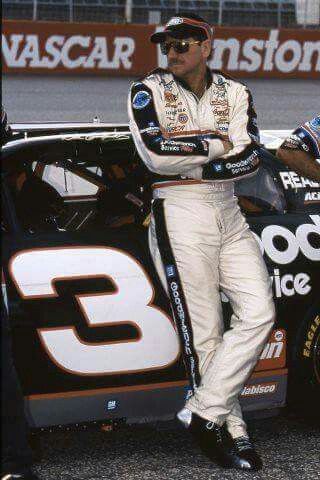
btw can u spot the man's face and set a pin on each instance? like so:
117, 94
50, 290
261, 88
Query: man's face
182, 64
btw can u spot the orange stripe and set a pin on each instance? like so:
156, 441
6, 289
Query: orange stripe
197, 23
267, 373
87, 393
176, 182
136, 388
192, 132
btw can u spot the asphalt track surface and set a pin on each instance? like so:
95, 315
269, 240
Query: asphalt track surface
279, 103
164, 451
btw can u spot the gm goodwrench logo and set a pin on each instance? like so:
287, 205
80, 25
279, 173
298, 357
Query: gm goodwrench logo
297, 242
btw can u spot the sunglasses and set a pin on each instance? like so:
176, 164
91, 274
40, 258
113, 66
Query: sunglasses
179, 46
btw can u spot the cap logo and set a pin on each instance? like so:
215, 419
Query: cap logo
174, 21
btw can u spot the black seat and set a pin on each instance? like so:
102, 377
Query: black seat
38, 205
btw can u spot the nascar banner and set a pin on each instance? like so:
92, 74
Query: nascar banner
113, 49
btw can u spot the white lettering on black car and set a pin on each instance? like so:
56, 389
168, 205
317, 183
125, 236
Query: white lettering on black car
260, 389
286, 285
296, 242
312, 197
289, 284
293, 180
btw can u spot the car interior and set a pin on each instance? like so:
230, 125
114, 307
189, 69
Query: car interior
72, 194
109, 188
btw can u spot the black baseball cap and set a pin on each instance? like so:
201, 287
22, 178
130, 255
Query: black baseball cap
183, 27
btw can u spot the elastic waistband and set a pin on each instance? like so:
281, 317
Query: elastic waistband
215, 191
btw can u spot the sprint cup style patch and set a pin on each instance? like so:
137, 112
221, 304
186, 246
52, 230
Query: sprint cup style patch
141, 100
315, 123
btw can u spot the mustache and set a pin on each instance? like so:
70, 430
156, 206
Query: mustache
172, 63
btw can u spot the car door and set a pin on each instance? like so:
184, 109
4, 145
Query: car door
90, 320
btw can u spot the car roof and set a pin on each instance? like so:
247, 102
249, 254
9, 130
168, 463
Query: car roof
271, 139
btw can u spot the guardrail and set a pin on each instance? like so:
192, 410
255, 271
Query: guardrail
265, 13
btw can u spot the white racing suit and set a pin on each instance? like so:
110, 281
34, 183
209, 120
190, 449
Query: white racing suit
199, 240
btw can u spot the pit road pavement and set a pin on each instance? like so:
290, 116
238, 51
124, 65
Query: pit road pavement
165, 451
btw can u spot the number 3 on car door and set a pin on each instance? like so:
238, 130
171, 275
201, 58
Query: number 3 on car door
34, 272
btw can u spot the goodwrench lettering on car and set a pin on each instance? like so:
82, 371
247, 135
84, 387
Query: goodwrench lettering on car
304, 241
283, 247
289, 284
294, 242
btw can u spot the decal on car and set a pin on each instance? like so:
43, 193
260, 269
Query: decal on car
131, 303
296, 242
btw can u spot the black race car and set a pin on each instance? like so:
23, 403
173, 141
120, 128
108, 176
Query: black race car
92, 332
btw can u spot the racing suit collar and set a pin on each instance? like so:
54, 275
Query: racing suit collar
186, 86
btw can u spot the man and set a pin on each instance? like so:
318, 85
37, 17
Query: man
5, 128
301, 150
16, 456
197, 133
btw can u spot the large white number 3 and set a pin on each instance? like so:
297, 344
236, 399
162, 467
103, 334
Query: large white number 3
34, 272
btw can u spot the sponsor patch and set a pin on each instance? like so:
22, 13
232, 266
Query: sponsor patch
165, 147
189, 393
171, 271
151, 131
175, 21
274, 353
315, 124
186, 148
205, 145
170, 97
221, 110
243, 165
278, 335
141, 100
217, 167
176, 128
223, 127
217, 101
292, 143
183, 118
